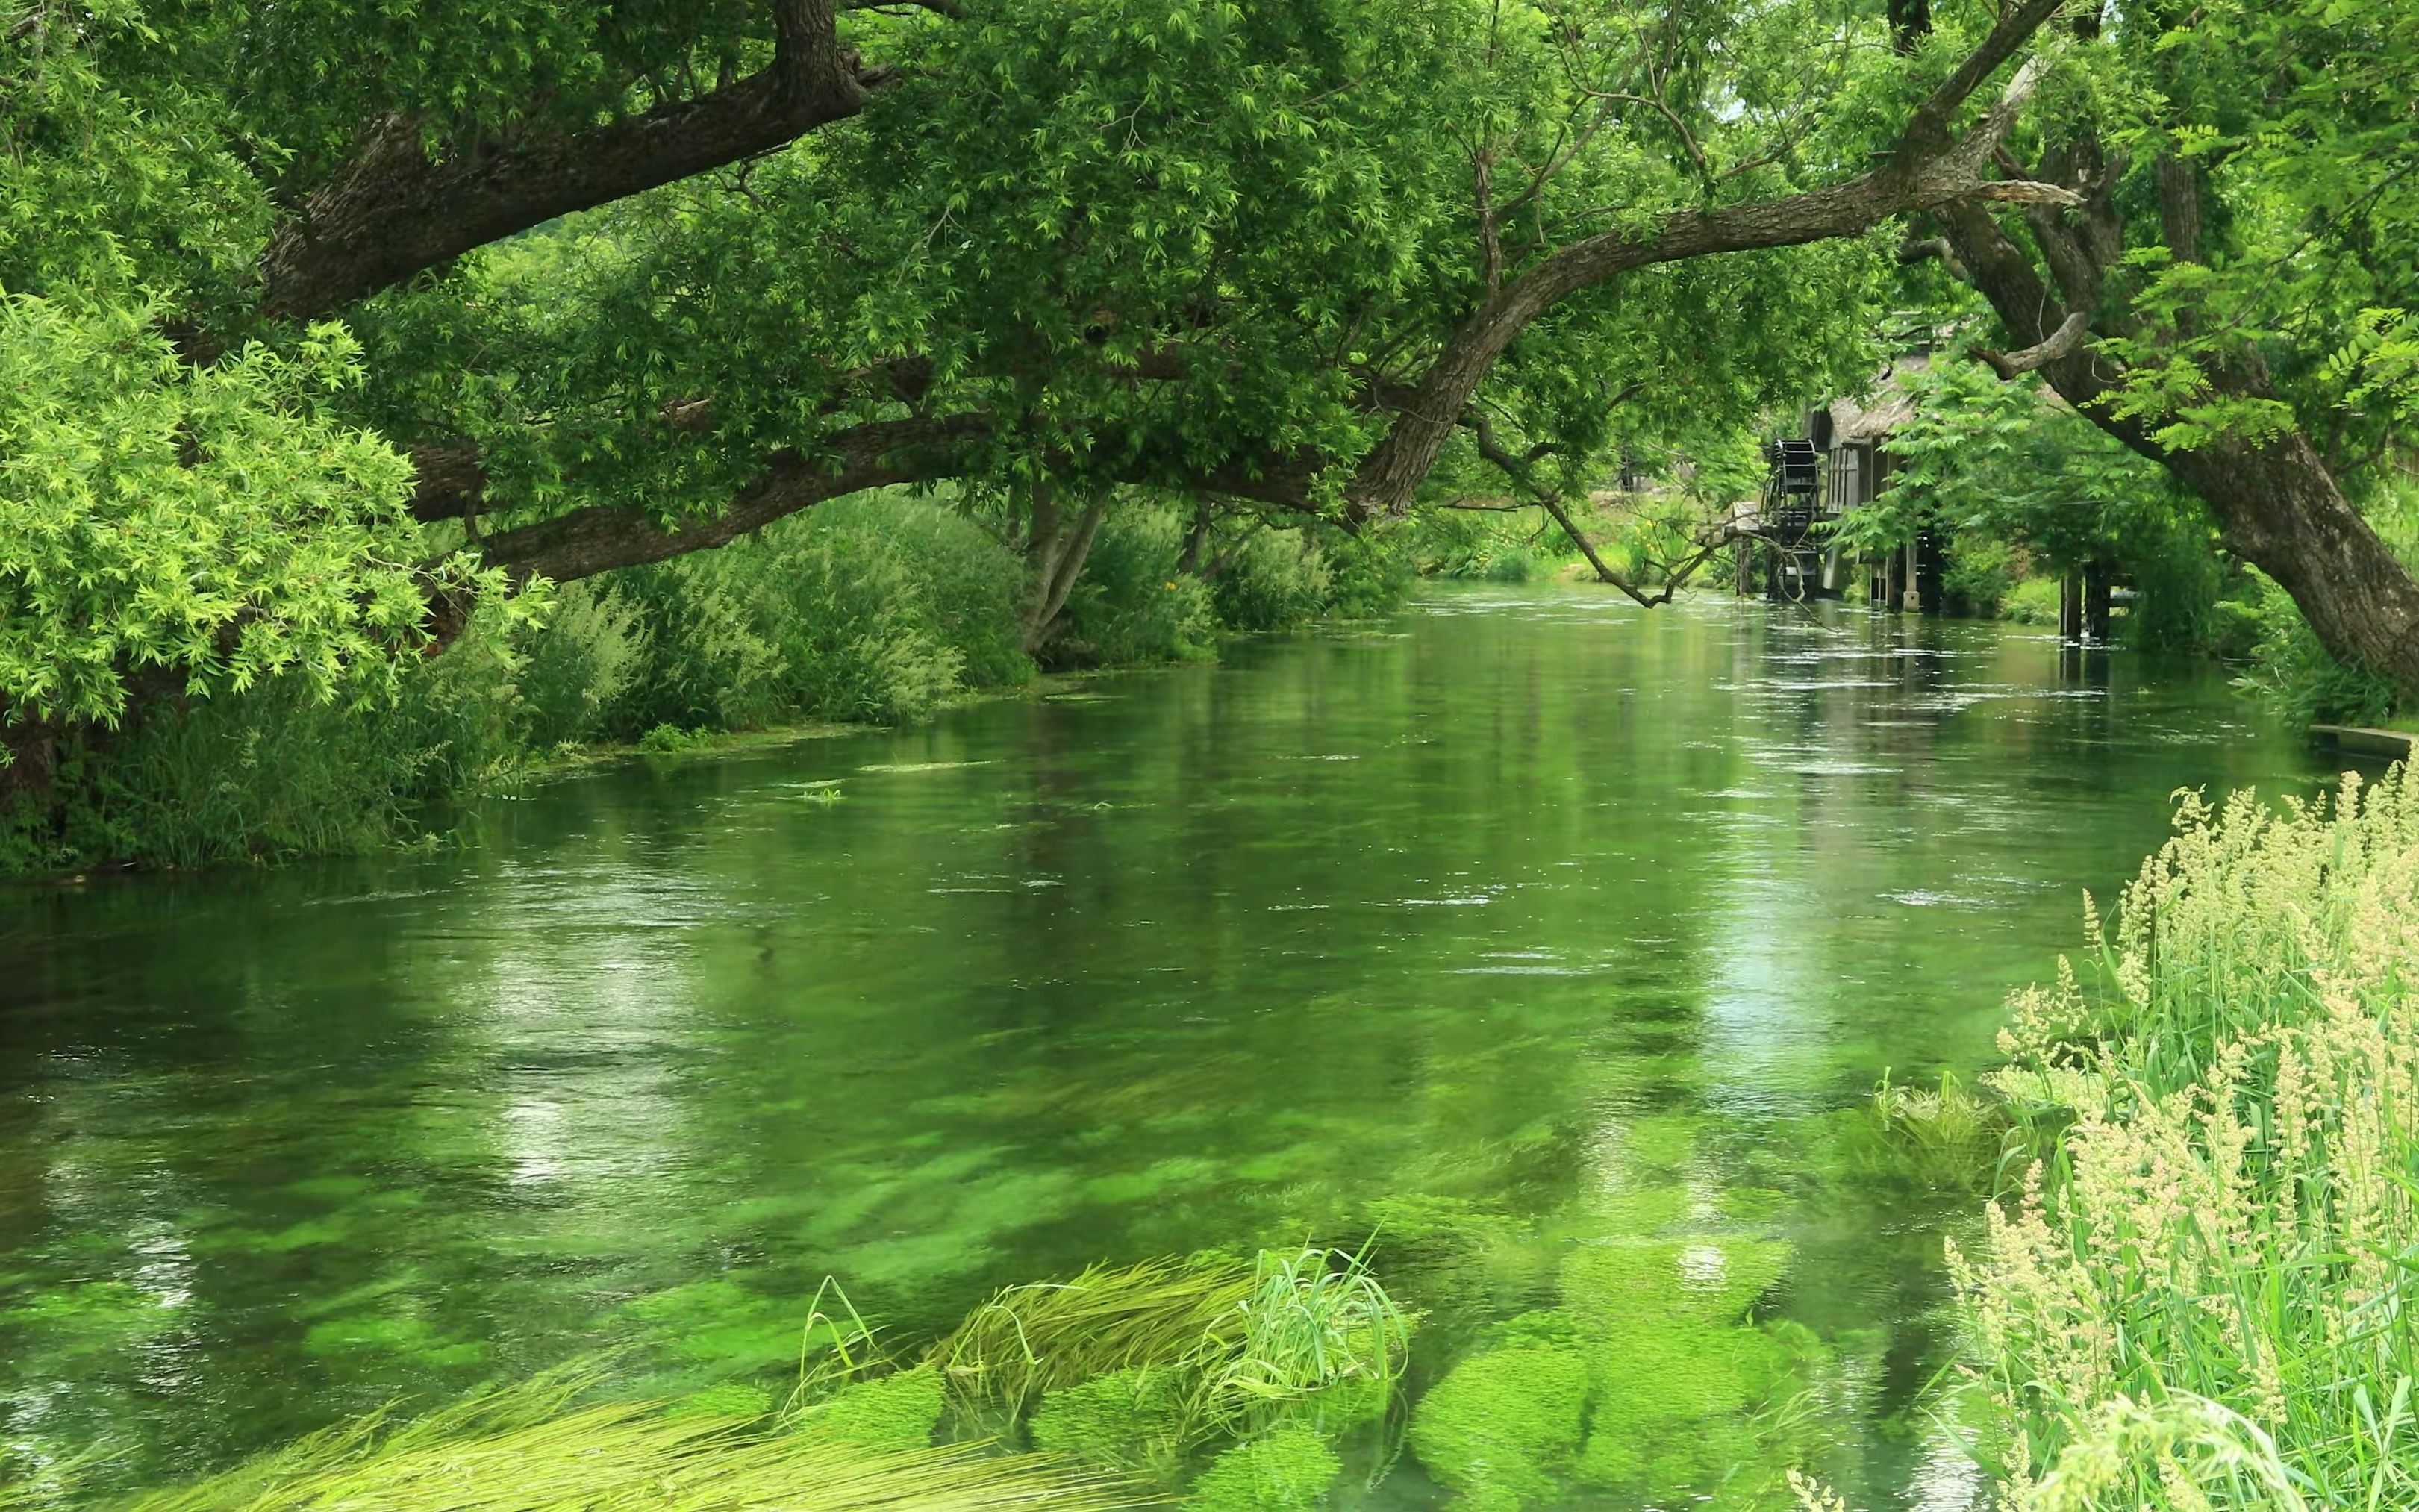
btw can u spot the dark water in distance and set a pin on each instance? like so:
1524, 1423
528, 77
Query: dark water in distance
1574, 912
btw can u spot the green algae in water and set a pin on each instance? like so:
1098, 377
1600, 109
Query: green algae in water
1650, 1377
1287, 1469
1126, 1419
1616, 1288
886, 1411
1504, 1428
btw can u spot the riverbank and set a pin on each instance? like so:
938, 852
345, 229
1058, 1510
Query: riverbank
885, 611
2204, 1294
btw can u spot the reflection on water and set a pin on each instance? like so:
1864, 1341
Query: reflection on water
1588, 920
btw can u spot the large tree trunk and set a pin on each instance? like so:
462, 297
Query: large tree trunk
32, 749
2278, 508
1057, 553
2276, 505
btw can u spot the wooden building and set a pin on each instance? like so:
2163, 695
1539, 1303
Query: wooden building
1854, 435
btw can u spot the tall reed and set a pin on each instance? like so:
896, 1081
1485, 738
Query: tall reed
2203, 1294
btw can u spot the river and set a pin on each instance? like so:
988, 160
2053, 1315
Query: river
1527, 902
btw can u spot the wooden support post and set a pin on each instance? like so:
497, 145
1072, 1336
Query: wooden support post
2095, 603
1923, 593
2069, 608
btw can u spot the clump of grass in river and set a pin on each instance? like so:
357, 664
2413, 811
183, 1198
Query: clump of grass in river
1030, 1339
1313, 1319
2205, 1294
536, 1448
1944, 1137
1236, 1342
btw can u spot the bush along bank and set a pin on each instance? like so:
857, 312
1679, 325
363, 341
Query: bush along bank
881, 608
2202, 1295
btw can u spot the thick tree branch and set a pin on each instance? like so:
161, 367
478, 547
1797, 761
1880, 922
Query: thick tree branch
1926, 134
2060, 342
602, 537
451, 483
1952, 174
394, 211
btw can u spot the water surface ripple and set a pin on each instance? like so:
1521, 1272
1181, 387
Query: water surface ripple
1590, 918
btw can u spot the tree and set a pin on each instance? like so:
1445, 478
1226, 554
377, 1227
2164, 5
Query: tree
634, 282
2226, 293
1238, 252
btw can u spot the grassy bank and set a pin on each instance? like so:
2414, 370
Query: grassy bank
2202, 1294
873, 611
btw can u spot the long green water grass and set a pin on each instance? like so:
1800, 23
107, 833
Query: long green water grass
1121, 1370
1231, 1343
539, 1447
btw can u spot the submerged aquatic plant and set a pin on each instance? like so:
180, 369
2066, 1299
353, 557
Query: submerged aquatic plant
1030, 1339
1945, 1138
536, 1448
1649, 1376
1287, 1469
1230, 1342
1315, 1319
2205, 1296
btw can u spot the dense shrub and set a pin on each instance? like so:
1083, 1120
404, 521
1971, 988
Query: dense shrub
581, 664
879, 608
1274, 578
1132, 603
2297, 676
1981, 573
275, 771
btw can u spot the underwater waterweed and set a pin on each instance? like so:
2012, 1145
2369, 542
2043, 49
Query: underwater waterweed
535, 1447
1228, 1344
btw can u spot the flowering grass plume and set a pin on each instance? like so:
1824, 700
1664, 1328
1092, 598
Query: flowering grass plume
2201, 1296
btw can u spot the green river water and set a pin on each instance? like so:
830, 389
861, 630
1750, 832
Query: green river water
1578, 922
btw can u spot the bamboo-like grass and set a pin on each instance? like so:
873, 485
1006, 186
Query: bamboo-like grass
2206, 1293
535, 1447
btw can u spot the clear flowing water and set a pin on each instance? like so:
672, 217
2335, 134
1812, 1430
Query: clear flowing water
1530, 907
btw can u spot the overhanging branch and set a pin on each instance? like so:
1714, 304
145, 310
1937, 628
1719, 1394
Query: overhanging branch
394, 211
